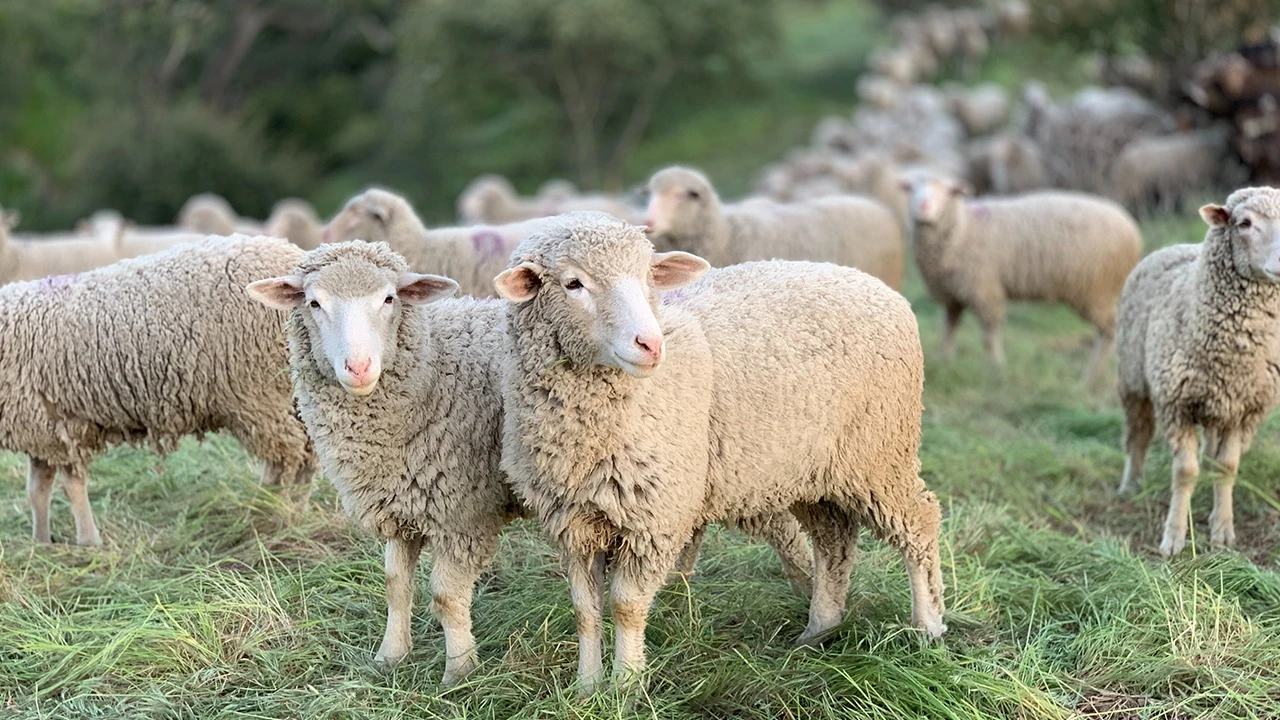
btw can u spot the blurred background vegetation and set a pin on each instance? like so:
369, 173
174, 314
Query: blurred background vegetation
138, 104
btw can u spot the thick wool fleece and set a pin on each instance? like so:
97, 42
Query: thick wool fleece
418, 458
1198, 340
150, 350
846, 230
472, 256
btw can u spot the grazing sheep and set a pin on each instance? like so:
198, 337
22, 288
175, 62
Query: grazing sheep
297, 221
471, 256
1165, 171
492, 200
834, 133
381, 377
146, 350
1051, 246
1199, 346
614, 397
1013, 18
685, 212
980, 109
33, 259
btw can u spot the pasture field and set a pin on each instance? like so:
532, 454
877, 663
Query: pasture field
210, 601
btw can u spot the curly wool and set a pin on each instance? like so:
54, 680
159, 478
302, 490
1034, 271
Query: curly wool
847, 230
150, 350
418, 458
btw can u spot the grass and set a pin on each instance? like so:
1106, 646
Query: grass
210, 601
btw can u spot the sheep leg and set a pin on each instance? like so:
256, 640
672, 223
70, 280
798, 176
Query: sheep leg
1139, 427
75, 484
1222, 531
586, 587
991, 316
688, 560
634, 584
835, 545
1101, 348
951, 315
784, 534
400, 561
1186, 468
40, 476
453, 581
925, 574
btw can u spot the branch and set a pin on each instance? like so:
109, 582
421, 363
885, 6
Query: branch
638, 122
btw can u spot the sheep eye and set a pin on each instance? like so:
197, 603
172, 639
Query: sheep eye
693, 194
390, 299
315, 304
574, 284
1245, 223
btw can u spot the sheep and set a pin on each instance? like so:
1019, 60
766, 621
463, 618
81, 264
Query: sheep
685, 212
1013, 18
1052, 246
210, 214
1165, 170
1016, 165
34, 259
877, 91
614, 396
492, 200
596, 202
980, 109
295, 220
1198, 346
834, 133
556, 190
381, 361
146, 350
472, 256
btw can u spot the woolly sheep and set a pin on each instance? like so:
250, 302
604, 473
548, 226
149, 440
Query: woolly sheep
596, 202
492, 200
379, 374
34, 259
980, 109
614, 396
556, 190
1052, 246
295, 220
877, 91
471, 256
146, 350
1017, 165
1165, 170
686, 212
210, 214
1198, 347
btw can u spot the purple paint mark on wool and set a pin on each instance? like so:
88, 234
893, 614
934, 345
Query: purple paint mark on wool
487, 244
57, 282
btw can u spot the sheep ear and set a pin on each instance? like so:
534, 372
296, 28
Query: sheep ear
1215, 215
282, 293
520, 283
676, 269
416, 289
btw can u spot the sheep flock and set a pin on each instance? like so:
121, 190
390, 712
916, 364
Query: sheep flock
626, 369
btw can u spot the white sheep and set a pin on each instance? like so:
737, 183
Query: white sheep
146, 350
471, 256
403, 400
1050, 246
211, 214
493, 200
1199, 346
1166, 170
31, 259
877, 91
981, 109
295, 220
614, 397
686, 213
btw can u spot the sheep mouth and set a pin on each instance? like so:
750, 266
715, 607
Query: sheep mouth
637, 368
360, 389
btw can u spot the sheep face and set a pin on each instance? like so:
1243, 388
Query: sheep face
1252, 225
600, 299
351, 309
365, 217
679, 200
930, 197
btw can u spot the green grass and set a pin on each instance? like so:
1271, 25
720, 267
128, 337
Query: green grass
210, 601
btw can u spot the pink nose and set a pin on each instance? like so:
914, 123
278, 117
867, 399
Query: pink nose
359, 369
651, 345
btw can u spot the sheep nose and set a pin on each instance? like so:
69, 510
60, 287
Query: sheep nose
652, 345
360, 368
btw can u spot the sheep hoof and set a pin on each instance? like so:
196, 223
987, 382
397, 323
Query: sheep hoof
387, 659
90, 540
813, 639
1169, 547
456, 672
1127, 488
1221, 535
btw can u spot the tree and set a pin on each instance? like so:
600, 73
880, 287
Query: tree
604, 65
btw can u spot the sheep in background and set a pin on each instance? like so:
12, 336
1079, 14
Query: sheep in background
1198, 347
614, 396
1051, 246
981, 109
686, 213
297, 221
211, 214
33, 259
492, 200
146, 351
1166, 170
